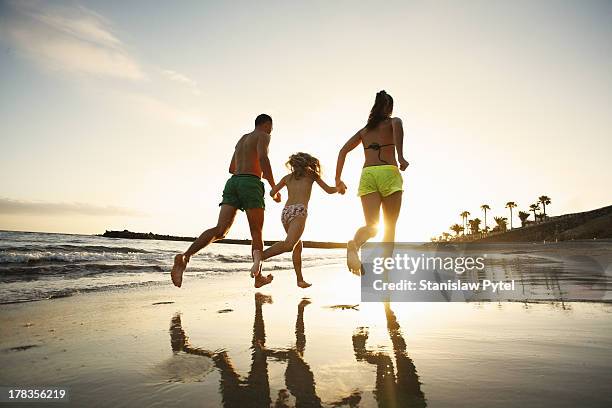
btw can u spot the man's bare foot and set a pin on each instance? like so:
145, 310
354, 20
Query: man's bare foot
256, 269
180, 264
352, 258
262, 280
304, 284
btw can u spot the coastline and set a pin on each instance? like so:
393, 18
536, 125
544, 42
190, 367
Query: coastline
125, 234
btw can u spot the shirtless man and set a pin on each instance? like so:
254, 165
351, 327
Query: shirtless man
243, 191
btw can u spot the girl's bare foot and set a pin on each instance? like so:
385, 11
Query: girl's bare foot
304, 284
180, 263
352, 258
262, 280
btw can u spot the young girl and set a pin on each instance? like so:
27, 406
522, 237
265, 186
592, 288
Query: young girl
305, 170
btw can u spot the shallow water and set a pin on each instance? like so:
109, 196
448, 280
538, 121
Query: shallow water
36, 266
163, 347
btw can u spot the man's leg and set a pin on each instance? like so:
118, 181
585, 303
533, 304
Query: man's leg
255, 217
371, 212
225, 221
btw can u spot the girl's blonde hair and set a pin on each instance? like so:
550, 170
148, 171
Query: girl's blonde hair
302, 164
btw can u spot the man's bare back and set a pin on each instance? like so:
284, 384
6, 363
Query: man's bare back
246, 154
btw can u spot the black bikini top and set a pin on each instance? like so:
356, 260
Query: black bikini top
377, 146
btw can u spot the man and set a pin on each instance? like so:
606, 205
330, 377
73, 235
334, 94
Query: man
243, 191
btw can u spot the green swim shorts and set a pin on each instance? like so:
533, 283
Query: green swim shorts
385, 179
244, 191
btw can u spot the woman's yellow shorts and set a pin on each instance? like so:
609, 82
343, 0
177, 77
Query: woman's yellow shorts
385, 179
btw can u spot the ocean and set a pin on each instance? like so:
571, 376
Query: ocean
36, 266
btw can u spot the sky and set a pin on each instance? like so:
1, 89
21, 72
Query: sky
124, 115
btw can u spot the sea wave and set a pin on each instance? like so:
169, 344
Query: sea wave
37, 266
75, 248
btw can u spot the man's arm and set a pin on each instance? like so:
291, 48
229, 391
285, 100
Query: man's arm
352, 143
232, 166
264, 162
398, 139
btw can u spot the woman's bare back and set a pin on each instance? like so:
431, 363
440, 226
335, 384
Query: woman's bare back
381, 136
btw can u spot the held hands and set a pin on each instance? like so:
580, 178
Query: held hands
403, 164
340, 186
275, 196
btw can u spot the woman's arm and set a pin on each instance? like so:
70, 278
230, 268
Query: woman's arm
327, 188
398, 139
352, 143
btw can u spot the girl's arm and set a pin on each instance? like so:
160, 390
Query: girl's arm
327, 188
278, 187
352, 143
398, 139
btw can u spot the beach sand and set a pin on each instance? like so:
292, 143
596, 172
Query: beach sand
220, 342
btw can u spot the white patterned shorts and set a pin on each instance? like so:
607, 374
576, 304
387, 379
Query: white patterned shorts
292, 211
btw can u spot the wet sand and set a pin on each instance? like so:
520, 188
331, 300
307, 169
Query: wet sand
220, 342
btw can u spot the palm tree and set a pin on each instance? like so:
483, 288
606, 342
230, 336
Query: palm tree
544, 200
534, 208
485, 208
456, 228
464, 215
523, 216
510, 205
475, 225
502, 223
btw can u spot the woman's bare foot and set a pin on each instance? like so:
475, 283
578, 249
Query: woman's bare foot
352, 258
180, 263
262, 280
304, 284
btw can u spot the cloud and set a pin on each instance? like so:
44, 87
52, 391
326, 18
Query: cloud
153, 107
73, 39
18, 207
182, 79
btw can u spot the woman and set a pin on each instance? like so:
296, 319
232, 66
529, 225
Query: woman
381, 181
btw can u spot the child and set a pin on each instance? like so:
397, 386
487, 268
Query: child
305, 170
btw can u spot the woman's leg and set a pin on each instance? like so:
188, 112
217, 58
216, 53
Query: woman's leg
391, 206
371, 212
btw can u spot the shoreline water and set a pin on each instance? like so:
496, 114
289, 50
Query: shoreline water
219, 342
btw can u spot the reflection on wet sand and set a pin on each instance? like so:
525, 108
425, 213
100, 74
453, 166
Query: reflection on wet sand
391, 390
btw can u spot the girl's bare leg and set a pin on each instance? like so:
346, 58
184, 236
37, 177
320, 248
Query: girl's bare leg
294, 233
297, 265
